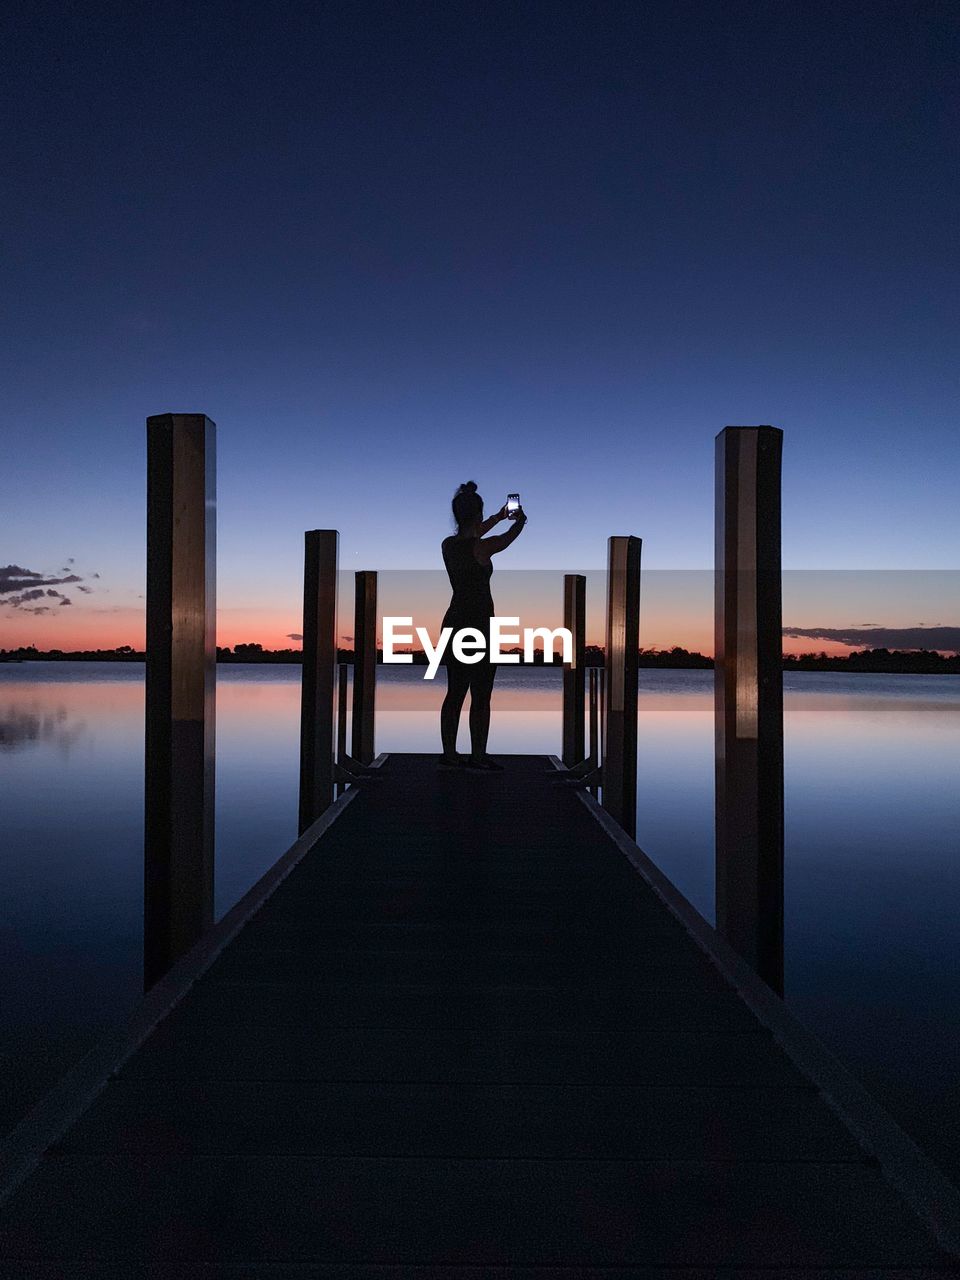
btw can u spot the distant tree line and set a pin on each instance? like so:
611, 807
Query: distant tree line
893, 661
30, 653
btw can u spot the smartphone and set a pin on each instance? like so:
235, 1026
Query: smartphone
513, 503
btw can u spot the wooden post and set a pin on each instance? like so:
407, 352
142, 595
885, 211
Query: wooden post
593, 752
341, 720
748, 687
574, 619
364, 667
602, 703
181, 675
622, 663
321, 547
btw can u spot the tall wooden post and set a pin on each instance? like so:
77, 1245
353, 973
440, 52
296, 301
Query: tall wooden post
364, 666
749, 698
321, 549
574, 619
181, 678
622, 663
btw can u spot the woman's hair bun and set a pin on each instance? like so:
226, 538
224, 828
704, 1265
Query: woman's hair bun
467, 503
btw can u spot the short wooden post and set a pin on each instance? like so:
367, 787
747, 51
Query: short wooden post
748, 688
574, 619
181, 678
593, 751
341, 720
602, 702
364, 667
622, 665
321, 549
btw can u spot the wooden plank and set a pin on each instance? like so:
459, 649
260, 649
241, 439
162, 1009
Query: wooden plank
505, 1121
93, 1270
435, 1007
482, 1211
667, 969
583, 1056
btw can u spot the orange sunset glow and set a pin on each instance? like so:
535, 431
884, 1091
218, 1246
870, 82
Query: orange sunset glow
274, 630
676, 610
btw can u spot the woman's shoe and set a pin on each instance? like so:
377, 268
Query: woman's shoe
451, 762
486, 764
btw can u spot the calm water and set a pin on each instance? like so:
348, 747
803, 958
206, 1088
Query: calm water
872, 832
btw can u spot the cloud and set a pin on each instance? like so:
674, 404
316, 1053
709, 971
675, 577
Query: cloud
292, 635
15, 578
19, 587
879, 637
26, 596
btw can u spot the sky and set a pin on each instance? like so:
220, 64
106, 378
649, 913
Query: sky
551, 247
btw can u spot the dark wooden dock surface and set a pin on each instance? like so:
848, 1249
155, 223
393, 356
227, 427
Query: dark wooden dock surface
463, 1037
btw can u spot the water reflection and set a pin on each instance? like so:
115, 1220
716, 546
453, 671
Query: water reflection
872, 846
24, 724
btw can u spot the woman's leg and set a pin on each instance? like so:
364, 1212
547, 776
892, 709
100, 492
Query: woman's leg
458, 682
481, 688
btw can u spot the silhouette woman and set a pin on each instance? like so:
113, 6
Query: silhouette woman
467, 556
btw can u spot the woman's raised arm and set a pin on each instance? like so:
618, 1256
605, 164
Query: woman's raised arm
490, 521
488, 547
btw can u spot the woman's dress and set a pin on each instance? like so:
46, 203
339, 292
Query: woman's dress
472, 603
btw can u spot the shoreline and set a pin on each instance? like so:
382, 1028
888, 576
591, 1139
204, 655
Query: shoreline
868, 663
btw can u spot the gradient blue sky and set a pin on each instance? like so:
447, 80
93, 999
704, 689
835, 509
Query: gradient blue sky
553, 247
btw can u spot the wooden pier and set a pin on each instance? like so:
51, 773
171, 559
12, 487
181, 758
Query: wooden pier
464, 1028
